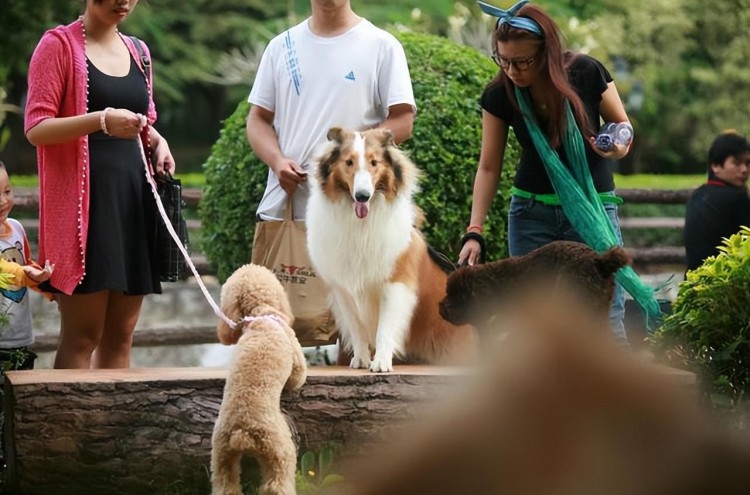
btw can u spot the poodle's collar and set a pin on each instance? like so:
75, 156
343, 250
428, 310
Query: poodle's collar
249, 319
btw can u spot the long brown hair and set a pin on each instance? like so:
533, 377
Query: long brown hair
557, 61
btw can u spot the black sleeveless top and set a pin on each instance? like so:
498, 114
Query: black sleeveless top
589, 79
122, 222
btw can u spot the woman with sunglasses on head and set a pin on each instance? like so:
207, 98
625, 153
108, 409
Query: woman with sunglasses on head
540, 89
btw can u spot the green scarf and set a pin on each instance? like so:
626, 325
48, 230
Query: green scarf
580, 201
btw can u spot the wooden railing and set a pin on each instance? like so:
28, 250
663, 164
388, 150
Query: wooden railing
27, 203
658, 255
27, 199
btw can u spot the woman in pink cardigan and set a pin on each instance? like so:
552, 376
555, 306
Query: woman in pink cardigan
89, 103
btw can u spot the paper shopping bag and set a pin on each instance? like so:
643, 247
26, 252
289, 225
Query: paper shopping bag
281, 246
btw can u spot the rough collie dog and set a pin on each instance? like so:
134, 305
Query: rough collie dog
384, 285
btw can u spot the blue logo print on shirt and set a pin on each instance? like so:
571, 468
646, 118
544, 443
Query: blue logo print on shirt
350, 76
292, 64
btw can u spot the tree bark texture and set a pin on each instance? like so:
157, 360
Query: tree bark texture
148, 431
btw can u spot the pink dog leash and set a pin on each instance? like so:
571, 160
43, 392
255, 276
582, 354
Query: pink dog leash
170, 229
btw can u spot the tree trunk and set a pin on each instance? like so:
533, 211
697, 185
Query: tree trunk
148, 431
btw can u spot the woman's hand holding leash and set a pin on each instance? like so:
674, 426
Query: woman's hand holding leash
472, 252
122, 123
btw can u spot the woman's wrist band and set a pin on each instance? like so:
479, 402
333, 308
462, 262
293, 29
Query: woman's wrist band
476, 236
475, 228
103, 120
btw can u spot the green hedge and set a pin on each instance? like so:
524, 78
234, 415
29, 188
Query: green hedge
708, 329
448, 80
235, 181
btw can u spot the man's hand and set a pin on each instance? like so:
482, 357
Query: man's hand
290, 174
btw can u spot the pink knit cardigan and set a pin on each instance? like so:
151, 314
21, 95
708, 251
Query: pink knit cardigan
58, 87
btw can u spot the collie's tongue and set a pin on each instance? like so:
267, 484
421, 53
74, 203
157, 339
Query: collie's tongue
361, 209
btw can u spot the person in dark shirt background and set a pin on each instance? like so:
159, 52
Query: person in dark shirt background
718, 208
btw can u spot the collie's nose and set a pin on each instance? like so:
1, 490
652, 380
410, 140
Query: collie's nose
362, 196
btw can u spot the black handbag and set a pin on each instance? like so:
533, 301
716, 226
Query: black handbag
171, 263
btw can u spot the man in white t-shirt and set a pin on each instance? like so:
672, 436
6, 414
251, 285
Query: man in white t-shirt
333, 69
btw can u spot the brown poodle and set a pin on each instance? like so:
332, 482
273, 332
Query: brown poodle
476, 294
267, 360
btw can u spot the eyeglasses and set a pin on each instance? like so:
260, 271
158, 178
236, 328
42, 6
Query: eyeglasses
519, 65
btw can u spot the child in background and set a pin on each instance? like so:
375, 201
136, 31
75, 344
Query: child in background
15, 311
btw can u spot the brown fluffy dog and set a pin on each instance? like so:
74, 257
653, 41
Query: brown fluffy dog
476, 293
267, 360
560, 409
364, 243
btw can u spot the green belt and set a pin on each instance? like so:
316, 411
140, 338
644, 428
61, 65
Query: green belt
554, 200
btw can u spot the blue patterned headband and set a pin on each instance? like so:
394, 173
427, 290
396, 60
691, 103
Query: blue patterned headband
509, 17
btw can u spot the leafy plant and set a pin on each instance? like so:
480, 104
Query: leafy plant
235, 181
448, 80
708, 329
315, 471
4, 109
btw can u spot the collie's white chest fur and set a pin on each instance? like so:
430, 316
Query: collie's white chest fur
357, 253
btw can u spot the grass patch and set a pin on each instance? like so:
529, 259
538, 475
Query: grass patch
24, 180
654, 181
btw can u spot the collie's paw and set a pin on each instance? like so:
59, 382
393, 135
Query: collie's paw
359, 362
381, 364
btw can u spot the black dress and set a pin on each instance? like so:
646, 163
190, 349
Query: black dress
122, 210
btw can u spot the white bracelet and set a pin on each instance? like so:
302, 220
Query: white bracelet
103, 120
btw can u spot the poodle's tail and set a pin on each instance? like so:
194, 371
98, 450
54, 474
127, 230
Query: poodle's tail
611, 261
241, 441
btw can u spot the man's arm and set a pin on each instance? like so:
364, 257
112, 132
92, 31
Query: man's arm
265, 144
400, 121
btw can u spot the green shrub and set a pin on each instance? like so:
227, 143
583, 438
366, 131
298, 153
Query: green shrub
235, 181
708, 329
448, 80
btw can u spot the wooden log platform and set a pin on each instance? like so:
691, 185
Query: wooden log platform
140, 431
148, 431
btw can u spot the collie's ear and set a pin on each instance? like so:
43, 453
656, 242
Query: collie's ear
336, 134
386, 137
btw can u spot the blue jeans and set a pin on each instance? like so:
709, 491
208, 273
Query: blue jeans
532, 224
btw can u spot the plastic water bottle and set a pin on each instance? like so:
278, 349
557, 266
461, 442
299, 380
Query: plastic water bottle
612, 134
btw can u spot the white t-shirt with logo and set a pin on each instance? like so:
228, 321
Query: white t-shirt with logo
14, 301
312, 83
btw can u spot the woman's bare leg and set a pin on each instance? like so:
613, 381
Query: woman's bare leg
82, 318
117, 339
